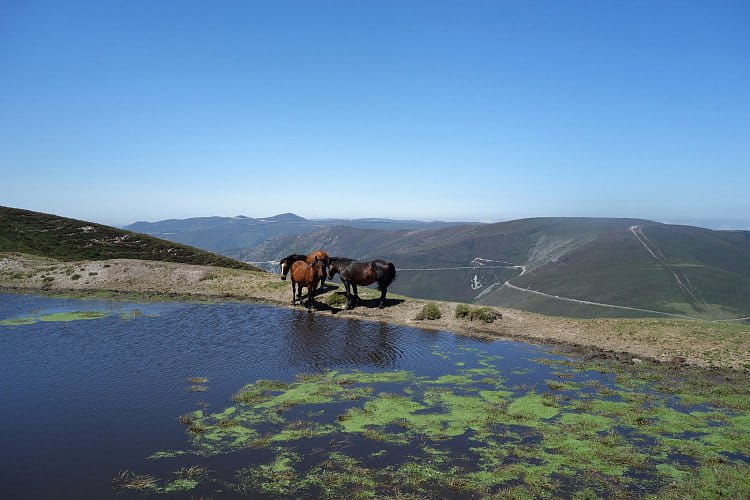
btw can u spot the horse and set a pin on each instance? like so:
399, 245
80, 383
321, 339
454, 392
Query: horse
306, 275
355, 273
286, 263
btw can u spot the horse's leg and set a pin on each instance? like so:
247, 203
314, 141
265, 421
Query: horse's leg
309, 296
293, 293
348, 294
381, 305
356, 295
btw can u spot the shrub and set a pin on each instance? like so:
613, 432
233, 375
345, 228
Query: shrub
75, 277
486, 314
462, 311
429, 311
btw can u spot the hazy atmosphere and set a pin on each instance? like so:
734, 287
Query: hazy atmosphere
124, 111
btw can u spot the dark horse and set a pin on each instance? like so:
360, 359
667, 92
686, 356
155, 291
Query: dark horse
286, 263
355, 273
306, 275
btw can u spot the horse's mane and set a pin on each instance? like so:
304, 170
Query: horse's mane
293, 257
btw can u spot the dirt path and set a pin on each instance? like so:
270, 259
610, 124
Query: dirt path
699, 342
590, 303
683, 283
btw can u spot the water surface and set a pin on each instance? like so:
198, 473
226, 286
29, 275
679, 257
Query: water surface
342, 406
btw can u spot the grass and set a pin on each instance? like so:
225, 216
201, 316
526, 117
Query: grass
336, 299
430, 311
128, 480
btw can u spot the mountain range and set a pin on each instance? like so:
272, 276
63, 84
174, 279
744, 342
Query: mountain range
222, 234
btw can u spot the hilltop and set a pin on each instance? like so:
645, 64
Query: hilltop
560, 266
64, 239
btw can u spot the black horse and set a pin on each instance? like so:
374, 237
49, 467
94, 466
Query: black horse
355, 273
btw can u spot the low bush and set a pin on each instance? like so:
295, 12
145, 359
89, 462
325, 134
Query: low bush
486, 314
462, 311
429, 311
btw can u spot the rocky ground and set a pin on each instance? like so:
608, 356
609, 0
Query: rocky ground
701, 343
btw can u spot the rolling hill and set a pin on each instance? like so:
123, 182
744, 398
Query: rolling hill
222, 234
555, 265
62, 238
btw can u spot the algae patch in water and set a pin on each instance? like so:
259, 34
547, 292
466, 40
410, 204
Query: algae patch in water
596, 433
62, 316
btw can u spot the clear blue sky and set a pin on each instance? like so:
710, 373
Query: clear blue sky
117, 111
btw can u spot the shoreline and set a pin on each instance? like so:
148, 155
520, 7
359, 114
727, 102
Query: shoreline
676, 342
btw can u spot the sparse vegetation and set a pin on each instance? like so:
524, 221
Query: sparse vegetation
128, 480
430, 311
75, 276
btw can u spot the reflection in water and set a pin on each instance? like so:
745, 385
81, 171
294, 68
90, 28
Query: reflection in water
322, 343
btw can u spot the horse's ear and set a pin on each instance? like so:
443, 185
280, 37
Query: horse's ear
316, 258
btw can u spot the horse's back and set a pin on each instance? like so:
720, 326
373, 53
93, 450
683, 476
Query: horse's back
320, 254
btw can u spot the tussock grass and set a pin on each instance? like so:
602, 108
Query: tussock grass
430, 311
485, 314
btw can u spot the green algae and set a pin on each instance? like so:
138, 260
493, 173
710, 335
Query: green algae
524, 443
17, 321
531, 408
55, 317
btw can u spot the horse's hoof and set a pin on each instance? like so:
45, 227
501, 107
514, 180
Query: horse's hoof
381, 306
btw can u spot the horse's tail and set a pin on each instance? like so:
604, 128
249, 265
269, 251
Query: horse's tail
389, 276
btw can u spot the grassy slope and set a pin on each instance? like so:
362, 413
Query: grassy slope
616, 269
61, 238
598, 260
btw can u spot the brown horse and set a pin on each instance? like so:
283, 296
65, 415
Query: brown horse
286, 263
355, 273
306, 275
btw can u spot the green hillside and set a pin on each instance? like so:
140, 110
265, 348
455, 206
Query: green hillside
61, 238
692, 271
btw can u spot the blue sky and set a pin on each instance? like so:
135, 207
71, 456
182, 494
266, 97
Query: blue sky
141, 110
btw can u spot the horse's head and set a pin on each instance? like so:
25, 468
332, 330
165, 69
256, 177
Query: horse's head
332, 269
319, 267
284, 265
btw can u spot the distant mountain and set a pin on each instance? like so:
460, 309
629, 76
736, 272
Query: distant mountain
631, 263
62, 238
220, 234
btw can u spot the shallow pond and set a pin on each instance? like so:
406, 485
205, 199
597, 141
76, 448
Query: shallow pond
105, 398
